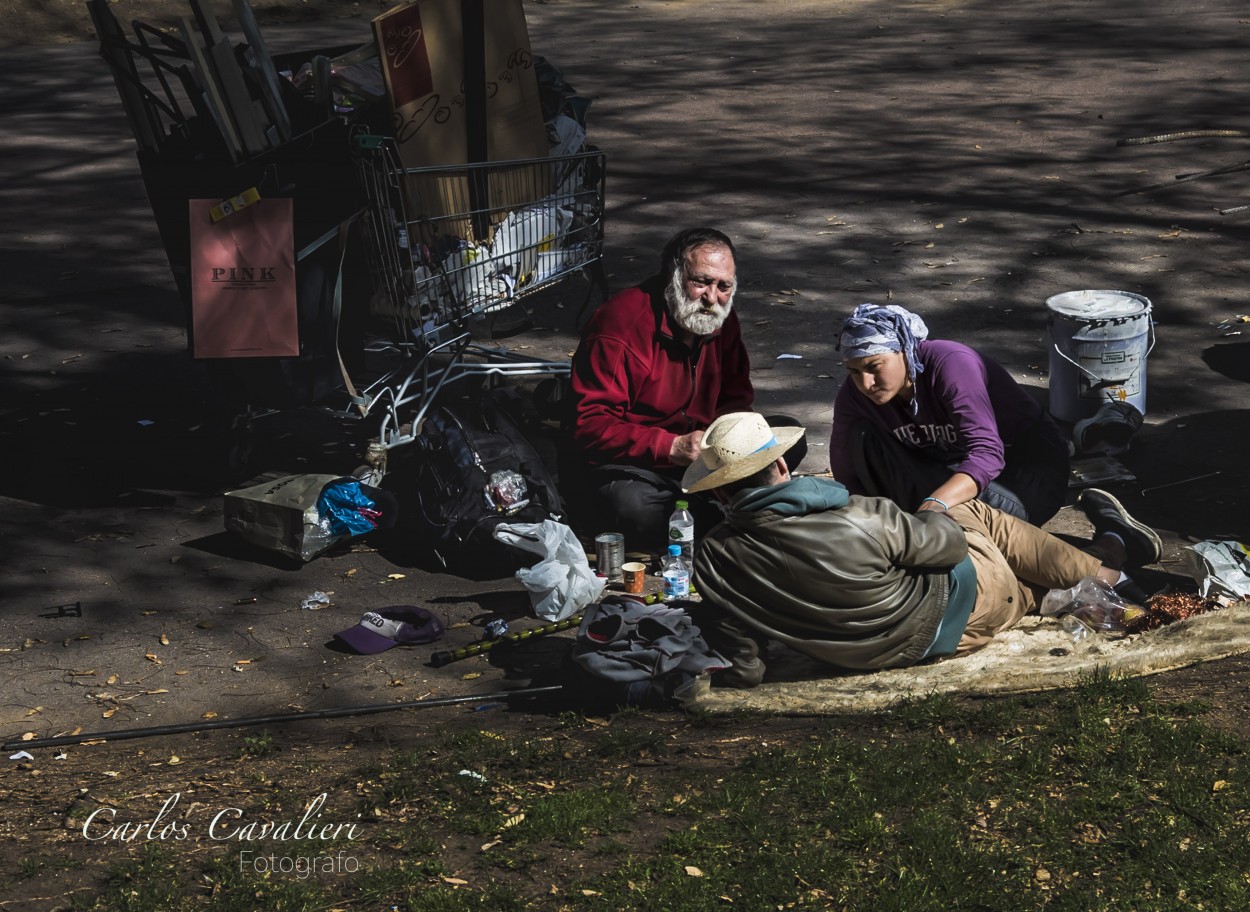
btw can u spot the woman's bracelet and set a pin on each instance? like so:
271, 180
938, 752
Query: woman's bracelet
940, 503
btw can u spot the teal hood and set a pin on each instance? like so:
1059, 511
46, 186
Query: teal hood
796, 497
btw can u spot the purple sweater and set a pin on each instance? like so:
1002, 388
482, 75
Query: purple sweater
970, 409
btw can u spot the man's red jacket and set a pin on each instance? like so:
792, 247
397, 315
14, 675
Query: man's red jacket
636, 386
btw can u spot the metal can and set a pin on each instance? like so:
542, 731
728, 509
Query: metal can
495, 629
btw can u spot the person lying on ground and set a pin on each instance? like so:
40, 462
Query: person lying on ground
860, 584
932, 424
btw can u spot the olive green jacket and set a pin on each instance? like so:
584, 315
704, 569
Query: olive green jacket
851, 581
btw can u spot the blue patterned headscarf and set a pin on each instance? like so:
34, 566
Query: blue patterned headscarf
874, 329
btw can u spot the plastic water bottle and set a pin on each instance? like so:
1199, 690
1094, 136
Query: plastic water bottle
681, 531
676, 574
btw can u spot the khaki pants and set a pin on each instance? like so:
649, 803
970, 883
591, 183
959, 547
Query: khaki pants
1016, 565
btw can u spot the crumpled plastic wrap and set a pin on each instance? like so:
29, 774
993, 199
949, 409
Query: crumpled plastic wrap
1221, 569
1095, 604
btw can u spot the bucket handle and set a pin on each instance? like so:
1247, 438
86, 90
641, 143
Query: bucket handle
1095, 377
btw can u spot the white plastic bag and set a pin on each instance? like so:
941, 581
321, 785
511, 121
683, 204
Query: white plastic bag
524, 235
562, 583
1221, 568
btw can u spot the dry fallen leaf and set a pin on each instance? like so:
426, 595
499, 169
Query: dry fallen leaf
513, 820
151, 693
164, 640
471, 675
456, 881
394, 576
243, 661
109, 713
31, 712
82, 674
175, 760
693, 871
29, 736
151, 657
209, 715
112, 679
1219, 784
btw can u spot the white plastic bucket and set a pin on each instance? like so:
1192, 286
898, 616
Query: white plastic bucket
1098, 349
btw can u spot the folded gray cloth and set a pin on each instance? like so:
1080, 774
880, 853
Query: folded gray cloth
623, 640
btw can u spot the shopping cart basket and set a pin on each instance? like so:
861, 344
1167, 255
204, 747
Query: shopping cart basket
451, 248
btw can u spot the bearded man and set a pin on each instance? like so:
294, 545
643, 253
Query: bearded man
655, 366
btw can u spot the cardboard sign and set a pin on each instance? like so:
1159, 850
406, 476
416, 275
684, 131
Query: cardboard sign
422, 46
243, 302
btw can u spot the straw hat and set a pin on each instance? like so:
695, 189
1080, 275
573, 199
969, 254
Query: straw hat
735, 446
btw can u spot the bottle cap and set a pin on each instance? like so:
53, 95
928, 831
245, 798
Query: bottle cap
683, 504
674, 550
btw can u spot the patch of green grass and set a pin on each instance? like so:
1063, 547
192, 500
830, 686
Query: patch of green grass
626, 741
1096, 798
29, 866
259, 745
144, 883
566, 818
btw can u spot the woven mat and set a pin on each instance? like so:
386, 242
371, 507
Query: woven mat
1036, 655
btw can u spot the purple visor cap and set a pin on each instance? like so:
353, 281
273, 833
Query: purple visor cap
401, 625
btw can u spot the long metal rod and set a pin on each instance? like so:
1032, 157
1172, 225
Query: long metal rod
127, 734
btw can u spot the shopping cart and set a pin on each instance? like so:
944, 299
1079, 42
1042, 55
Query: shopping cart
451, 249
401, 272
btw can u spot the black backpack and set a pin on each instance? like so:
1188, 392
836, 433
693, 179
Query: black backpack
458, 488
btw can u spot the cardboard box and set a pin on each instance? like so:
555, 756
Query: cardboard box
422, 47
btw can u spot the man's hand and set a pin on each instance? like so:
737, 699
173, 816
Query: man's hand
686, 448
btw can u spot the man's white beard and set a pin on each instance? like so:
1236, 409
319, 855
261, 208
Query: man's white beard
688, 313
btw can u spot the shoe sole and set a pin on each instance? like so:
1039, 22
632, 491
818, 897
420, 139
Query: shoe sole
1155, 542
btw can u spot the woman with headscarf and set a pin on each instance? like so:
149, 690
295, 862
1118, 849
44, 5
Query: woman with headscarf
931, 424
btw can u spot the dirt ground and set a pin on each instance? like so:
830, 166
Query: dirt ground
957, 157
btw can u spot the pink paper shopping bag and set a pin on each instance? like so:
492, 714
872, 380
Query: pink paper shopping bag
243, 281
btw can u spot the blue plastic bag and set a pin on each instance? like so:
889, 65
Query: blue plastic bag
347, 508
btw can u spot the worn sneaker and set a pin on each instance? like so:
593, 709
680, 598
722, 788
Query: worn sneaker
1109, 431
1142, 543
1130, 591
